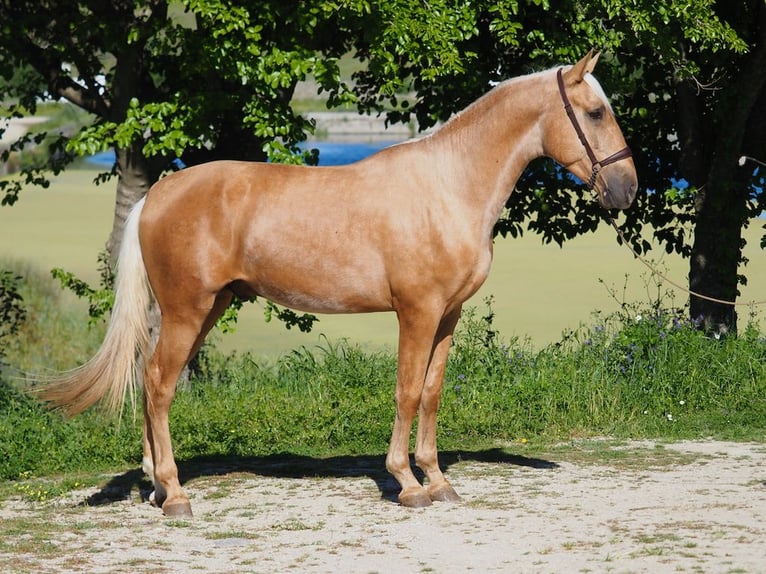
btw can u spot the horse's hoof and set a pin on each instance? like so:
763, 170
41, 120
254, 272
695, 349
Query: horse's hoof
415, 498
443, 493
177, 509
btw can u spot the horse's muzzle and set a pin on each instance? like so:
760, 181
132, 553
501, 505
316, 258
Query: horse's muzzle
617, 187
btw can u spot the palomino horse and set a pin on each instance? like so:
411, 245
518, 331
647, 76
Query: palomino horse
408, 229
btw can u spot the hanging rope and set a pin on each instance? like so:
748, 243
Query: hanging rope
665, 278
673, 283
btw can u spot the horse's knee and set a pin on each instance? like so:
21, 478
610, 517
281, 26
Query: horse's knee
407, 402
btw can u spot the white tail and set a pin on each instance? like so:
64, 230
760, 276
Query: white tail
116, 371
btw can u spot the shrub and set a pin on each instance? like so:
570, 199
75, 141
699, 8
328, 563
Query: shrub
50, 333
12, 311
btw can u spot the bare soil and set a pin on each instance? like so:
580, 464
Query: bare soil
640, 507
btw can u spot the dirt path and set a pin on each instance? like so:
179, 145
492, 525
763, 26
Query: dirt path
685, 507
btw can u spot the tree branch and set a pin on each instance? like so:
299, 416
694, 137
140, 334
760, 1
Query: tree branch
62, 85
692, 142
746, 90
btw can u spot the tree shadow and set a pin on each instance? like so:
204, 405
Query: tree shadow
295, 466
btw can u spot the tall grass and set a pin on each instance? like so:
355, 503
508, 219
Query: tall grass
640, 372
643, 371
54, 333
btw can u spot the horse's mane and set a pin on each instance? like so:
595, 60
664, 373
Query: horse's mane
495, 92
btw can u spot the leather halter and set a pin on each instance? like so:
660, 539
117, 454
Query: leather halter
596, 165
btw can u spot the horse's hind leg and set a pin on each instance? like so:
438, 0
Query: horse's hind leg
147, 464
181, 334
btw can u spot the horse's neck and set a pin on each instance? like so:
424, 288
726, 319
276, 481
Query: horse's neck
491, 142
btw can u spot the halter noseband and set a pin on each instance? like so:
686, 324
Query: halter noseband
596, 165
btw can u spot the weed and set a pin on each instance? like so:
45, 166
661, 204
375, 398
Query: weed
230, 534
294, 524
178, 523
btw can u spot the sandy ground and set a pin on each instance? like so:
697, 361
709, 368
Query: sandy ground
684, 507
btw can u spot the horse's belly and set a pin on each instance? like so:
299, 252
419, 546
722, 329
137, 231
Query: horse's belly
333, 303
320, 292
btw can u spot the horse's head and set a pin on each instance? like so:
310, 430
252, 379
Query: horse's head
584, 137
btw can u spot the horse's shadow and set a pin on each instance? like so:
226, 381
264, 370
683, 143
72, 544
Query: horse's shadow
296, 466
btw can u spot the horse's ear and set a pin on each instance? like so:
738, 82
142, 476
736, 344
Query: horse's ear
592, 62
586, 65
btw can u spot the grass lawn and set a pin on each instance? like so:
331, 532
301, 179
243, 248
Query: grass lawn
539, 290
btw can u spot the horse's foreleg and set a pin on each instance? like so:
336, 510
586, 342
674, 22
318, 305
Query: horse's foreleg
425, 447
416, 335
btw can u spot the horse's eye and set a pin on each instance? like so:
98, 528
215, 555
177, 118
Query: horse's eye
596, 114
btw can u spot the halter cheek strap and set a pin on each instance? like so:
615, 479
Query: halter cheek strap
596, 165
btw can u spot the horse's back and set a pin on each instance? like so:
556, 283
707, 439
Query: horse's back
323, 239
282, 232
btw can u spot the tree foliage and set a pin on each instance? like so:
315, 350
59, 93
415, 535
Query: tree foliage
196, 80
687, 81
12, 311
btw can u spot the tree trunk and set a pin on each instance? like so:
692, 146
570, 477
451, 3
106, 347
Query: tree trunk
134, 180
721, 204
715, 257
135, 177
